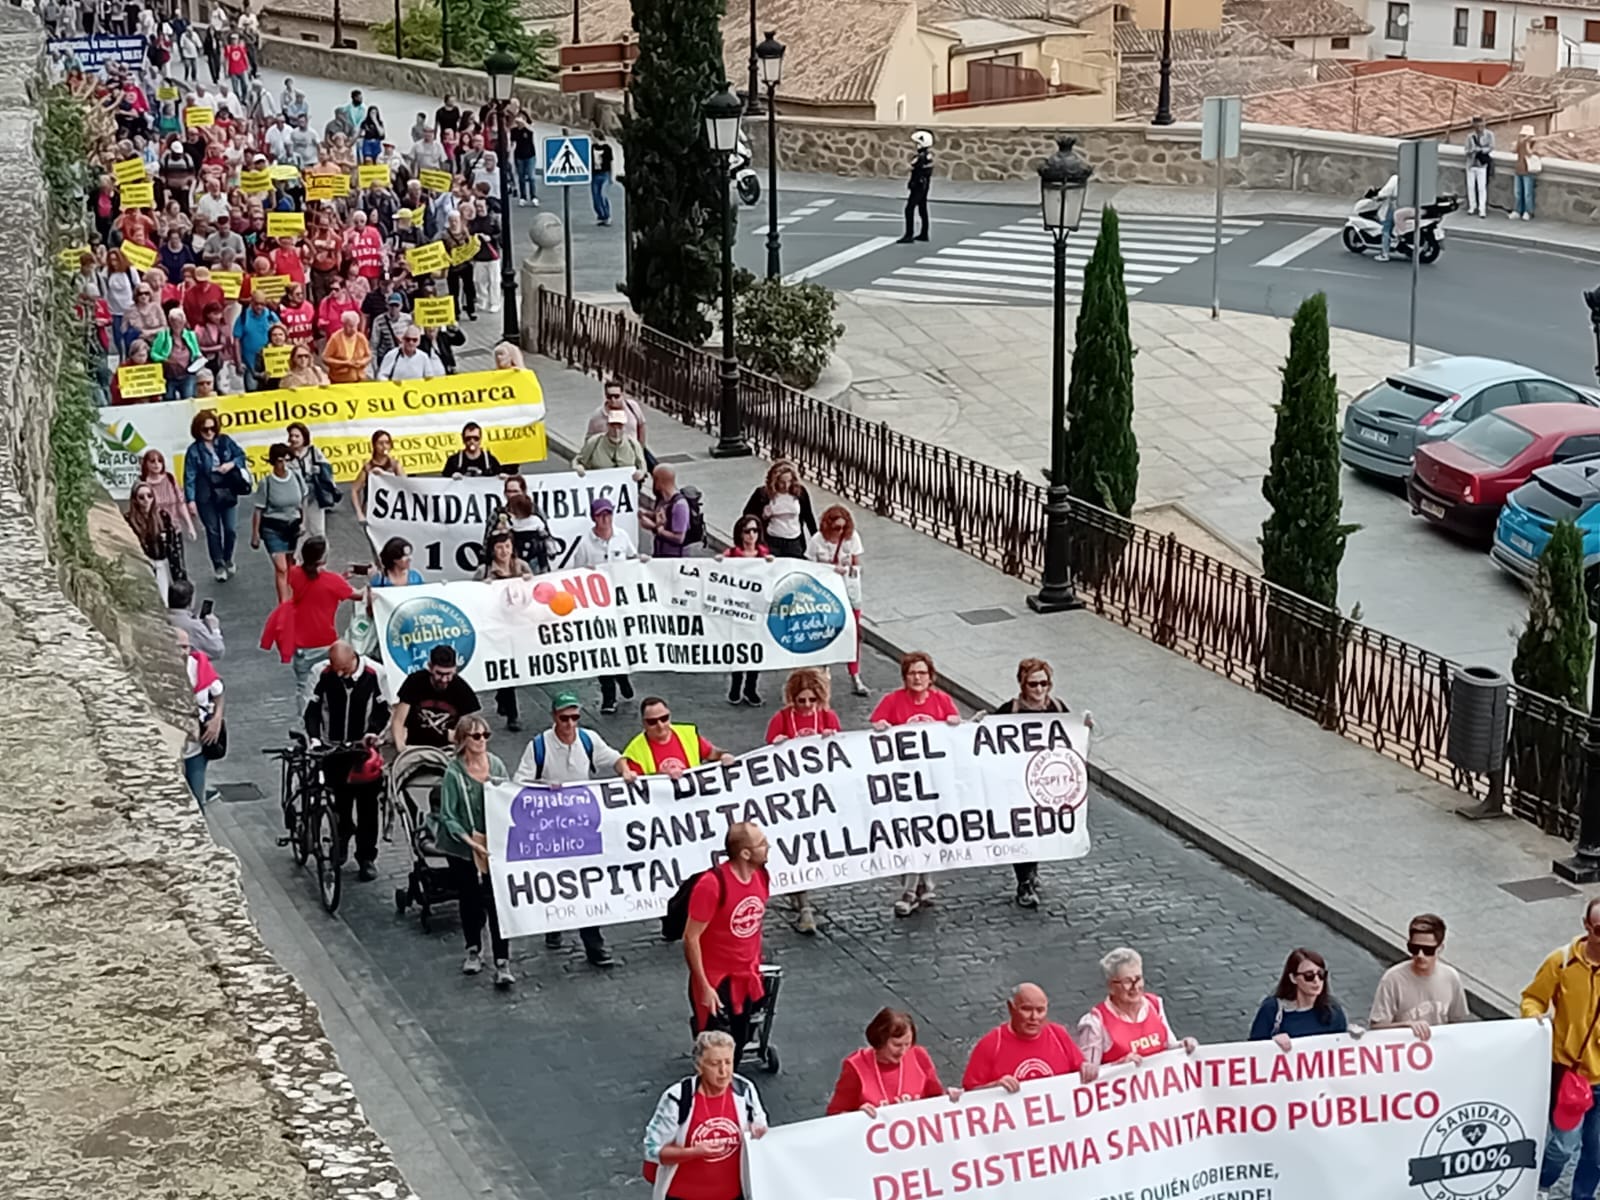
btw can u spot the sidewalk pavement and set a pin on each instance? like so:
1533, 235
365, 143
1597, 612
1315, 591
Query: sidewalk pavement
1152, 200
1363, 843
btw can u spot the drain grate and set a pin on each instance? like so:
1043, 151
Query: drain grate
1530, 891
985, 616
236, 793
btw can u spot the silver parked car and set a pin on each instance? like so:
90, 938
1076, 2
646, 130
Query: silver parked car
1384, 425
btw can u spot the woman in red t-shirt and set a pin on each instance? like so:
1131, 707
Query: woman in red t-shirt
805, 713
891, 1069
747, 543
694, 1144
314, 596
916, 702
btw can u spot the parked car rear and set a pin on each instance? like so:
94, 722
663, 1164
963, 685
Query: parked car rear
1567, 491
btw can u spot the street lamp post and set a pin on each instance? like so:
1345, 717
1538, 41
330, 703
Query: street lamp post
722, 114
1063, 184
770, 55
1164, 96
501, 67
753, 98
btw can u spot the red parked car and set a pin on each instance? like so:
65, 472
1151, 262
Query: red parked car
1462, 481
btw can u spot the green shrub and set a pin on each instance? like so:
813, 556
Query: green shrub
477, 28
787, 330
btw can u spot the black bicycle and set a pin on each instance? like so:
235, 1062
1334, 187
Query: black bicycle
310, 821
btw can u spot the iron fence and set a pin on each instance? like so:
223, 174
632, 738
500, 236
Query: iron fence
1371, 688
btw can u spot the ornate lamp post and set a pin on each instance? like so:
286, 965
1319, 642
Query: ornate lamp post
769, 55
501, 67
722, 114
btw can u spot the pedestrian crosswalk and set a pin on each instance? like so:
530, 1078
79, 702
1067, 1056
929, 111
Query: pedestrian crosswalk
1015, 263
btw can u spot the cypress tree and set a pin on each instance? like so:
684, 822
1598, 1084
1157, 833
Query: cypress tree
1102, 453
1302, 542
1556, 646
674, 201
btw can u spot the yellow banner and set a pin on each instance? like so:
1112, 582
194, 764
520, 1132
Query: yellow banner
435, 181
427, 258
255, 183
129, 170
373, 175
434, 312
70, 256
466, 252
284, 172
231, 283
270, 287
147, 379
140, 256
167, 92
137, 195
275, 360
196, 117
285, 224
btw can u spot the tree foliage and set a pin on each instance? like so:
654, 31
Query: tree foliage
787, 330
676, 184
1302, 542
477, 28
1556, 646
1102, 453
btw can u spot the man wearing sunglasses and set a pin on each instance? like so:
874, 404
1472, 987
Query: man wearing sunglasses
472, 459
1423, 991
663, 748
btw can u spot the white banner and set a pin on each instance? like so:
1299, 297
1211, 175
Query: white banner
836, 810
445, 519
1460, 1117
691, 615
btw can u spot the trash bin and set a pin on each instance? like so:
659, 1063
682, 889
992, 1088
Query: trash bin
1479, 712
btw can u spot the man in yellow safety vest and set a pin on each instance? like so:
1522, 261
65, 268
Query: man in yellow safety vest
663, 748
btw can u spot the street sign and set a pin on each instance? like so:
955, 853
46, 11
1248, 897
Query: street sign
1219, 127
566, 160
1418, 168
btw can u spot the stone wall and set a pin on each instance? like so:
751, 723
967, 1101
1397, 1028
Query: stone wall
149, 1044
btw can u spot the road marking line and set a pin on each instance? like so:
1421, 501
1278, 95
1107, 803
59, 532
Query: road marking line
1022, 274
889, 218
1309, 241
1022, 256
1161, 219
1154, 239
919, 297
824, 202
849, 254
1081, 253
802, 212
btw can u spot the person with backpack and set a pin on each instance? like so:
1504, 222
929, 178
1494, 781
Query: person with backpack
676, 519
694, 1144
567, 753
722, 937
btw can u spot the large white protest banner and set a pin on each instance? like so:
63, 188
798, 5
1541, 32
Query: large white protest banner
1459, 1117
836, 810
692, 615
445, 519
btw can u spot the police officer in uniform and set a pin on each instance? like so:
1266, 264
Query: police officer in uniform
917, 184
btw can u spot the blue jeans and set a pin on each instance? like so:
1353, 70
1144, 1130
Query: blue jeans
1388, 228
219, 522
194, 773
1522, 189
599, 187
525, 179
1561, 1145
303, 663
182, 388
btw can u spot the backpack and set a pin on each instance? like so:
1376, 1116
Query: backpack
741, 1092
676, 918
697, 517
588, 748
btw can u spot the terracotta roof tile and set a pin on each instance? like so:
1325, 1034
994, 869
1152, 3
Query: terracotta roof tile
1299, 18
1392, 104
1572, 145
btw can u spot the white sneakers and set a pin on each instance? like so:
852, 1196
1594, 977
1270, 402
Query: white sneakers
473, 962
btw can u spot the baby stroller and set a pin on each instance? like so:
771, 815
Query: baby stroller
414, 779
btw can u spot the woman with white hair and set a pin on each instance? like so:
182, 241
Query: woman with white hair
694, 1144
1129, 1023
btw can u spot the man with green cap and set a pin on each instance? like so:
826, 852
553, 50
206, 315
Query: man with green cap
566, 753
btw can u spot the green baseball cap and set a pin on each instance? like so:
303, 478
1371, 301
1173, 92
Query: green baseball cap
567, 699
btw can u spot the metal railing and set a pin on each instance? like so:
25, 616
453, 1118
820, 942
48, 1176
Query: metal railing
1371, 688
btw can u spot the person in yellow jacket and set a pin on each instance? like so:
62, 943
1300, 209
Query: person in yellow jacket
663, 748
1567, 987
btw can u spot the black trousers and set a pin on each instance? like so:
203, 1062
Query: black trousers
463, 289
917, 203
735, 1024
477, 904
742, 682
1026, 873
505, 703
360, 801
609, 685
593, 940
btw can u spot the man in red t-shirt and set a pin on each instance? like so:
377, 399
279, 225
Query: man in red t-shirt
663, 748
722, 939
1028, 1046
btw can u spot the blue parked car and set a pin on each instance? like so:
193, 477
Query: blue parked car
1569, 490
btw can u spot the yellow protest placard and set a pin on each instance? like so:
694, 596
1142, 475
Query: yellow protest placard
341, 184
231, 282
275, 360
139, 256
319, 187
434, 312
167, 92
373, 175
286, 224
147, 379
269, 287
129, 170
435, 181
284, 172
137, 195
417, 214
196, 116
466, 252
70, 256
255, 183
427, 258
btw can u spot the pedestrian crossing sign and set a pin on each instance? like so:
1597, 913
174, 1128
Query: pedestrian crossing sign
566, 160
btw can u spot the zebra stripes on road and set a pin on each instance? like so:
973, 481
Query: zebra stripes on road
1015, 262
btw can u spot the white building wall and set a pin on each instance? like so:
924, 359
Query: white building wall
1432, 31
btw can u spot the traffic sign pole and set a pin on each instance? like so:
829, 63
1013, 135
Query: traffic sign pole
568, 163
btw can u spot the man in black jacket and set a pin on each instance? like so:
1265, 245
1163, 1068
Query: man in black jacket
347, 706
918, 182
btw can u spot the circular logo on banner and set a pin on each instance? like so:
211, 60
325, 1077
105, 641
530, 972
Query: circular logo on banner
1032, 1068
745, 920
1476, 1151
804, 617
719, 1132
1057, 779
417, 626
